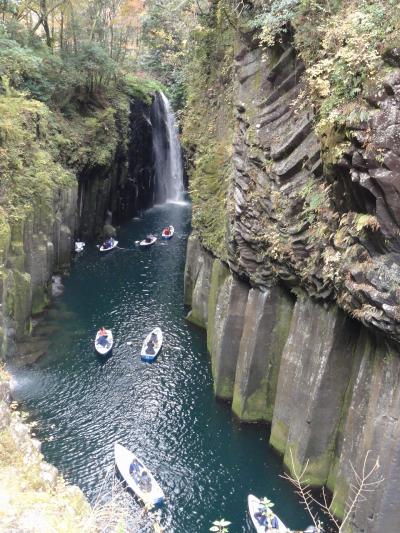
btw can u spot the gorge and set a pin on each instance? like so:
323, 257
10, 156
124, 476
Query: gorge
291, 142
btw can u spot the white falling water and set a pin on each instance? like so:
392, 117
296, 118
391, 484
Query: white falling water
167, 152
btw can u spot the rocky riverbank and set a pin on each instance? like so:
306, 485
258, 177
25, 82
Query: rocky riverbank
34, 496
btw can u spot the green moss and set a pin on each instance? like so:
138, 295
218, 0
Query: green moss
251, 408
5, 235
208, 125
40, 299
218, 275
279, 436
18, 300
142, 88
260, 405
317, 469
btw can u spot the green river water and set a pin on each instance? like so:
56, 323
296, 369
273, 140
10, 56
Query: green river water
206, 462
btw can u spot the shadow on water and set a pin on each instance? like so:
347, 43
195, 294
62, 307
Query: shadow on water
164, 412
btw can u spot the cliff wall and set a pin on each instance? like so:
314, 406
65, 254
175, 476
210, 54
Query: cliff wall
327, 385
299, 292
64, 179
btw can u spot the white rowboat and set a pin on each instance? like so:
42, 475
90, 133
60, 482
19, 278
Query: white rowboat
145, 242
152, 345
137, 476
79, 246
167, 236
256, 507
102, 344
114, 245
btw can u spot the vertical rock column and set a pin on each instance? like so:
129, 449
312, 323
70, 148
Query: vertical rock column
312, 382
266, 327
372, 427
197, 281
226, 308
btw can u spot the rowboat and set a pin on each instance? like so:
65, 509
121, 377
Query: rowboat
79, 246
114, 245
148, 241
168, 235
103, 344
257, 510
137, 476
152, 345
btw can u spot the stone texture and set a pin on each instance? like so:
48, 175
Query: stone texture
266, 326
371, 424
229, 299
330, 233
333, 230
312, 382
197, 281
125, 186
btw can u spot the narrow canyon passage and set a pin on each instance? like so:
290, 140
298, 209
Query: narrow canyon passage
165, 412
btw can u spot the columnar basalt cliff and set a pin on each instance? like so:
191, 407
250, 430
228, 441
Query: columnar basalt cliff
46, 200
109, 179
124, 186
302, 305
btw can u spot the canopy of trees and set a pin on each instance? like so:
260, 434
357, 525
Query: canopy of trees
59, 50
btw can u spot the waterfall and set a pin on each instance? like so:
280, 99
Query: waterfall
167, 152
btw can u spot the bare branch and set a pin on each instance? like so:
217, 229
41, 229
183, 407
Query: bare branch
362, 485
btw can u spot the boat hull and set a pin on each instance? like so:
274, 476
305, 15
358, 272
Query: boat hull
123, 460
170, 235
150, 357
109, 249
104, 350
145, 244
253, 506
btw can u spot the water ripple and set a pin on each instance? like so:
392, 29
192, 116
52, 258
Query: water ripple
165, 411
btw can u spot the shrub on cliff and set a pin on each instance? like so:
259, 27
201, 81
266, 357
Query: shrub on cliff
342, 44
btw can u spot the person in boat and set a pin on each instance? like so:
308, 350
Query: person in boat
103, 332
150, 347
108, 243
260, 516
272, 521
134, 470
145, 481
167, 231
153, 338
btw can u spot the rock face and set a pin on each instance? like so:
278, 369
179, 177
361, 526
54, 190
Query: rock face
35, 246
328, 385
38, 243
125, 186
324, 369
34, 497
331, 230
265, 329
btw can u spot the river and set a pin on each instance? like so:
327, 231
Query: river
205, 461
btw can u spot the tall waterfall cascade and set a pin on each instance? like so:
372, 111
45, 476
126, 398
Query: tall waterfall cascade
167, 152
